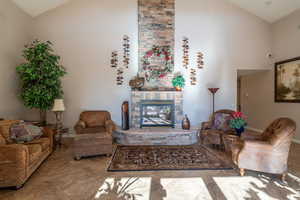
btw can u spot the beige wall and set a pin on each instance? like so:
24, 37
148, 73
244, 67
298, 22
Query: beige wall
85, 32
15, 31
258, 89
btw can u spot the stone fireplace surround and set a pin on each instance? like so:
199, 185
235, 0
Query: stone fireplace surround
156, 135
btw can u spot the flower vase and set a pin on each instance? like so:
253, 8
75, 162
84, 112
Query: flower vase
186, 125
239, 131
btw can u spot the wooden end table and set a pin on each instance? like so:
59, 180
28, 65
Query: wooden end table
229, 140
59, 133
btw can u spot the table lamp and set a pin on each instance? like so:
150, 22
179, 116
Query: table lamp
58, 109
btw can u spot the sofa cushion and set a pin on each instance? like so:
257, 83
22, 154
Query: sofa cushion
43, 142
5, 129
97, 129
35, 151
222, 121
24, 132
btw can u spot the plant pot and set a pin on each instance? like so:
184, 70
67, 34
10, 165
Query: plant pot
178, 88
239, 131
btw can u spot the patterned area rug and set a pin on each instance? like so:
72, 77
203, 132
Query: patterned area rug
145, 158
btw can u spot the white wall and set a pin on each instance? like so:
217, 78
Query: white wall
85, 33
15, 31
230, 39
259, 105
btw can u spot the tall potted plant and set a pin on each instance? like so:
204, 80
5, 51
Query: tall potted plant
40, 77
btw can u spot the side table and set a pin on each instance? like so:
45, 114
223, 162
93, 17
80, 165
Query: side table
58, 137
230, 140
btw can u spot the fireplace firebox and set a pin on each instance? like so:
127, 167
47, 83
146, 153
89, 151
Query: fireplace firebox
157, 113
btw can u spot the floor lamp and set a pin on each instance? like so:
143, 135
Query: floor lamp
213, 91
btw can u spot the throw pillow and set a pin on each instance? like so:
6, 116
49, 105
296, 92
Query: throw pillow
222, 121
23, 132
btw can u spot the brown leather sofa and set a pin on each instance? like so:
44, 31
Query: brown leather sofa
94, 134
214, 136
267, 152
19, 161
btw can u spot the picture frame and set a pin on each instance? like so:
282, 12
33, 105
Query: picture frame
287, 81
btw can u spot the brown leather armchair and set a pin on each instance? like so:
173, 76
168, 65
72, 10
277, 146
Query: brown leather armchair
212, 135
94, 122
268, 152
94, 134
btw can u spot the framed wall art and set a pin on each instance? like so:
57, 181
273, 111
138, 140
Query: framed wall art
287, 81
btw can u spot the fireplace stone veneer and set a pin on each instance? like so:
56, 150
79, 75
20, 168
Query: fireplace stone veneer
138, 96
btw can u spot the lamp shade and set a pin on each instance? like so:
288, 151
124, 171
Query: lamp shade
58, 105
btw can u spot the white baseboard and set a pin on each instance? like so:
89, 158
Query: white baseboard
254, 129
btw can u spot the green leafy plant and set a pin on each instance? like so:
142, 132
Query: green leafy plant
40, 76
178, 81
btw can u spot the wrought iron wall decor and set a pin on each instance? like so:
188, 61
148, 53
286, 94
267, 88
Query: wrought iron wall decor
193, 76
120, 78
186, 48
126, 51
126, 60
186, 61
200, 61
114, 59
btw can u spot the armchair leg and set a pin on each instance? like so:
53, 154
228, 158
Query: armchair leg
242, 171
283, 177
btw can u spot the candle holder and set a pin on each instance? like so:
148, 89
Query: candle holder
213, 91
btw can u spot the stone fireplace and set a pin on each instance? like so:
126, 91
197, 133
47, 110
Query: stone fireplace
165, 107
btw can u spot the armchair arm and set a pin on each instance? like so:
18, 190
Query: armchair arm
14, 160
110, 126
14, 153
251, 136
206, 125
49, 133
257, 145
80, 125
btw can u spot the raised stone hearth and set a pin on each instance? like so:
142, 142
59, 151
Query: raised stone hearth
156, 136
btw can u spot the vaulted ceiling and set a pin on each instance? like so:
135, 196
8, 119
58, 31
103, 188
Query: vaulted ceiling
269, 10
37, 7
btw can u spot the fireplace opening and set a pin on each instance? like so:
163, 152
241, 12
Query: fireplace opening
157, 113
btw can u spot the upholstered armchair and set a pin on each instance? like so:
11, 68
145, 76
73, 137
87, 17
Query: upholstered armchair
267, 152
212, 131
94, 134
94, 122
